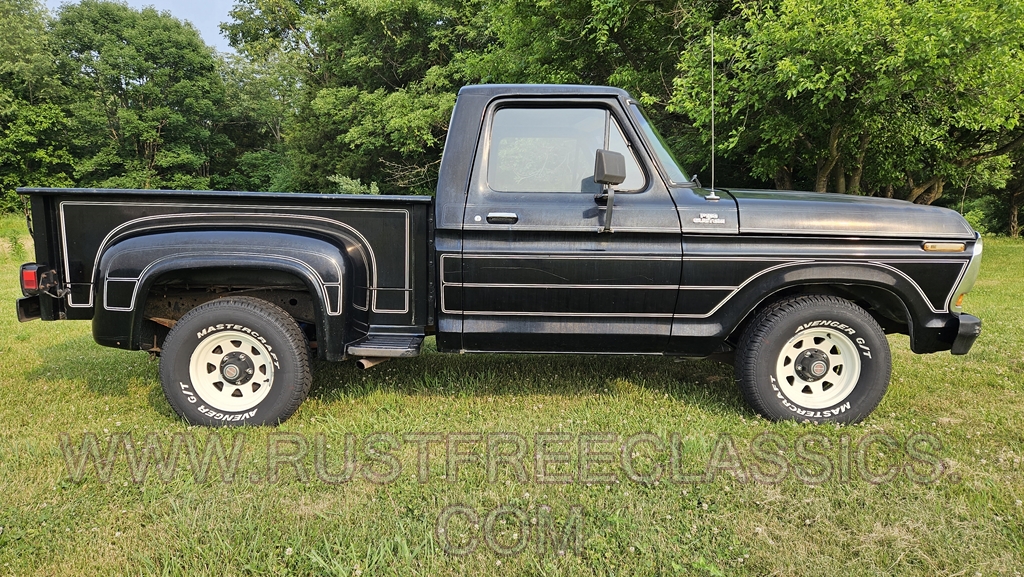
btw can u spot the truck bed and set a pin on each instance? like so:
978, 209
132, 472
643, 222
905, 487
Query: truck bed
385, 237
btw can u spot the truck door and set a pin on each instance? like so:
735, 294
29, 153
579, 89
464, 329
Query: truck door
539, 271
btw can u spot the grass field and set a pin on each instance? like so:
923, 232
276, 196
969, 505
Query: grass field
931, 484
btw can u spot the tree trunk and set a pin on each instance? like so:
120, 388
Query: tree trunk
858, 170
888, 191
825, 166
1015, 199
917, 190
784, 178
840, 177
933, 194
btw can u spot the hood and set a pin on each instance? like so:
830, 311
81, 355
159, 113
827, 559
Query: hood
789, 212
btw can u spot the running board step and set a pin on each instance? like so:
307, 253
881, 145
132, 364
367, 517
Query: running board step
386, 345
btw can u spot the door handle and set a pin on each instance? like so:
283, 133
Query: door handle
502, 217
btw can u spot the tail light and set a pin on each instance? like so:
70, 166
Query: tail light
29, 279
36, 279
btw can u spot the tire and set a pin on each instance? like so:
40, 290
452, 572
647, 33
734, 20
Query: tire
235, 361
814, 358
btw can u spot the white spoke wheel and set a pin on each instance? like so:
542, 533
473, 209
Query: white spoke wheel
816, 358
232, 371
818, 368
235, 361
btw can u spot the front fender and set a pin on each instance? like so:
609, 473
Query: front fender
723, 314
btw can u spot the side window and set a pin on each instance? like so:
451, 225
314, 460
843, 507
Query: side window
553, 150
617, 142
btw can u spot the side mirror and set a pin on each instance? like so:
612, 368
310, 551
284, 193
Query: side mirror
609, 167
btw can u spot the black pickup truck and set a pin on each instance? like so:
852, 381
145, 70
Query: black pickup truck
561, 224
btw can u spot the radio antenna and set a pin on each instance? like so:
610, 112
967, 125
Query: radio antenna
712, 196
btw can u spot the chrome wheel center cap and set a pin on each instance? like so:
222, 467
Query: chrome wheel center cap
818, 368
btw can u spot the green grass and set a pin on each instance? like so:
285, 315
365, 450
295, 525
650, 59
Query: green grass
54, 379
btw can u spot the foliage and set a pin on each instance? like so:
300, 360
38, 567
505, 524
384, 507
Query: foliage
918, 100
348, 185
32, 129
259, 102
376, 99
381, 77
976, 218
861, 96
142, 94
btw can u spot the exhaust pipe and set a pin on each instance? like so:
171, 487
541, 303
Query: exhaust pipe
368, 362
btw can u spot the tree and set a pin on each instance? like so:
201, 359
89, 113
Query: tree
32, 128
380, 77
261, 94
378, 94
864, 96
144, 97
1014, 194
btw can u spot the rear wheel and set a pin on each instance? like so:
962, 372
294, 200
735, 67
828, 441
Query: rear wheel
813, 358
235, 361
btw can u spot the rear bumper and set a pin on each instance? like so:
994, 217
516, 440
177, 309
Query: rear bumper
966, 334
29, 309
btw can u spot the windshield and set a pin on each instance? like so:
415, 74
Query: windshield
668, 161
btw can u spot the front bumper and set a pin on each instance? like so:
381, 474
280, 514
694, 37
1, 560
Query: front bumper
966, 334
946, 332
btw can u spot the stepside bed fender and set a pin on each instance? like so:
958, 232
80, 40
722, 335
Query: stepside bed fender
128, 270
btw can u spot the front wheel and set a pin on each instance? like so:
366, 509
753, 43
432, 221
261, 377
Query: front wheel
235, 361
813, 358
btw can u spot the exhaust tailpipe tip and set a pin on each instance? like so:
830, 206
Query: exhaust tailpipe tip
367, 362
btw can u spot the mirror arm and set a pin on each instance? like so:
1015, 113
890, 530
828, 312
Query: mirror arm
610, 193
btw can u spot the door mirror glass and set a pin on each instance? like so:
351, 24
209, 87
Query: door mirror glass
609, 167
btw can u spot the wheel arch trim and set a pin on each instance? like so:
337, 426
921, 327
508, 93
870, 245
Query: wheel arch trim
766, 286
140, 261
